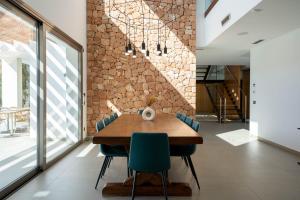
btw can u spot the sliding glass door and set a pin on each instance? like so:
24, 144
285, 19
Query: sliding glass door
18, 94
63, 96
40, 94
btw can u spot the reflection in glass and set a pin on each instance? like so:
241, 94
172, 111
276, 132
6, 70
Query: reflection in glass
18, 95
63, 94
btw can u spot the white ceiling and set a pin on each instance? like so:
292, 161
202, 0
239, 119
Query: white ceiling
275, 18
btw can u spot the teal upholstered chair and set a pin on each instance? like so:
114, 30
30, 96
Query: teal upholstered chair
140, 111
100, 125
185, 152
178, 115
195, 126
149, 153
182, 117
109, 152
189, 121
107, 121
115, 115
112, 118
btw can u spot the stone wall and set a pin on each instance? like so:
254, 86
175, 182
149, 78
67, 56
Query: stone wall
120, 83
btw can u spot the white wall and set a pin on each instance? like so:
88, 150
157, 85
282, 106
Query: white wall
212, 23
275, 69
69, 16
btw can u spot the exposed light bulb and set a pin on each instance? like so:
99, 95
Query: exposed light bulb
126, 51
129, 48
158, 49
165, 50
143, 47
134, 53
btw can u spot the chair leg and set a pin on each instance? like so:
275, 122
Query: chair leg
193, 170
109, 161
127, 167
100, 172
186, 161
133, 185
105, 166
164, 183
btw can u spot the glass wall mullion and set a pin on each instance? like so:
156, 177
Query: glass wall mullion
42, 94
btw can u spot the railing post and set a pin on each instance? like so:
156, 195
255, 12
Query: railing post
220, 112
246, 102
225, 106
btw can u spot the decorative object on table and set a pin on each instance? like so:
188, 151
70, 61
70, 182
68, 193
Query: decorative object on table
148, 113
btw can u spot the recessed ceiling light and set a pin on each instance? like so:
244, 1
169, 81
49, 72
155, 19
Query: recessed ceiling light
242, 33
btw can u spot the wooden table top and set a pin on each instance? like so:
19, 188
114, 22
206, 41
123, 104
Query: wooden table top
120, 130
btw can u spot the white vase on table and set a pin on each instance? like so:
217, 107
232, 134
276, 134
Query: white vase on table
148, 114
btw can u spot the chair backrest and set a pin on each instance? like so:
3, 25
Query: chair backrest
149, 152
112, 118
182, 117
178, 115
107, 121
140, 112
188, 121
115, 115
196, 126
100, 125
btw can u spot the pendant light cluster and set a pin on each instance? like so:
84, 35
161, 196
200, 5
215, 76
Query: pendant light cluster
135, 25
145, 48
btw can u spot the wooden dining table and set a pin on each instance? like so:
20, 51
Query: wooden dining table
119, 133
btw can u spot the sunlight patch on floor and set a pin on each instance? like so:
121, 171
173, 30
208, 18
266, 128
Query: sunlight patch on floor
86, 151
41, 194
237, 137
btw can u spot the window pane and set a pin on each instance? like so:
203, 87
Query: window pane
18, 95
63, 94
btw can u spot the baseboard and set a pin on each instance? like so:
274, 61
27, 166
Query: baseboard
279, 146
88, 138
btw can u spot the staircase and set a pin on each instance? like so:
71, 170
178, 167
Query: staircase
202, 73
224, 93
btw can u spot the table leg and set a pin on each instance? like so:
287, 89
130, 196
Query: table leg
146, 185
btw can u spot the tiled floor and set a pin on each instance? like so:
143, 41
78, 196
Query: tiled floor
230, 166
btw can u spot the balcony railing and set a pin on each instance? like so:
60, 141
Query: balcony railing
209, 4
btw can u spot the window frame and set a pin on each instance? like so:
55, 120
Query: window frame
44, 26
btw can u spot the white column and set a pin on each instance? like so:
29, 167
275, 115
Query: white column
9, 83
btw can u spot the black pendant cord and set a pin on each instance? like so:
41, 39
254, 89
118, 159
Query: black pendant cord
129, 30
165, 35
143, 19
147, 51
158, 31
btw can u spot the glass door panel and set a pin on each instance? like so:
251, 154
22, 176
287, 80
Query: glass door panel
18, 94
63, 93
